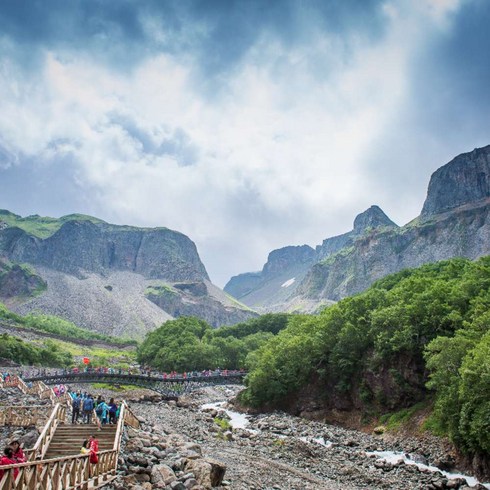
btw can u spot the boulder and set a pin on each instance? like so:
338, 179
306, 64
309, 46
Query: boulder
29, 439
208, 472
161, 473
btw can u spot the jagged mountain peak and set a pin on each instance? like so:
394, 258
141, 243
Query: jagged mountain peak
459, 194
280, 259
373, 217
464, 180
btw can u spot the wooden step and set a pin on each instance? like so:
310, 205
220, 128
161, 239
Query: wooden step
68, 439
78, 444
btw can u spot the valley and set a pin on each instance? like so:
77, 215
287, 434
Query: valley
279, 451
375, 329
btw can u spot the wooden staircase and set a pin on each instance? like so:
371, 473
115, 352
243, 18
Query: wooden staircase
55, 461
68, 439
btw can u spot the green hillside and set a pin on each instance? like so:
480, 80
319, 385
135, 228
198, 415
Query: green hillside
59, 343
42, 226
418, 335
45, 226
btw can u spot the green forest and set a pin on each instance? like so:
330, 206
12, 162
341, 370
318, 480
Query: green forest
50, 355
191, 344
420, 335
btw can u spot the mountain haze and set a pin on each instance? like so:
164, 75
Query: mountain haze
454, 222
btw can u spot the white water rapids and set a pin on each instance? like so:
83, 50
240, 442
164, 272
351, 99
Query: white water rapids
241, 421
395, 457
237, 420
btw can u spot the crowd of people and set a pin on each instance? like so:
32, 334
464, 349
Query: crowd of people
84, 406
13, 454
135, 370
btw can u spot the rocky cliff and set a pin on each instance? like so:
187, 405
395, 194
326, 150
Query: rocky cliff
372, 219
19, 281
454, 222
284, 270
464, 180
85, 246
97, 274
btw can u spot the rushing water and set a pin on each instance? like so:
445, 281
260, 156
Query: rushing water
317, 440
241, 421
237, 420
395, 457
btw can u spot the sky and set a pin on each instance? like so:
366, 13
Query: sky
246, 125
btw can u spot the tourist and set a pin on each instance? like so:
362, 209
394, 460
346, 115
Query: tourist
112, 411
17, 454
93, 445
85, 449
88, 408
102, 411
75, 407
6, 459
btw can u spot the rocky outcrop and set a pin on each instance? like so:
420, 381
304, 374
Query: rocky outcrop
96, 274
464, 180
372, 219
194, 299
239, 286
98, 247
287, 257
454, 222
283, 271
17, 280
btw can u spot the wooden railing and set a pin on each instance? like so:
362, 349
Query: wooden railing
71, 472
128, 416
10, 382
23, 415
120, 428
38, 387
40, 448
66, 473
23, 387
44, 391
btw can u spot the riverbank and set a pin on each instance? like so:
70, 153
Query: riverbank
279, 451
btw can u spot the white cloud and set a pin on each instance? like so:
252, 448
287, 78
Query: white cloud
281, 150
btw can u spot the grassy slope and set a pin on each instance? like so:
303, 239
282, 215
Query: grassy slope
45, 226
42, 226
102, 349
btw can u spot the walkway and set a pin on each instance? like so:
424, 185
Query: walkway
170, 386
55, 462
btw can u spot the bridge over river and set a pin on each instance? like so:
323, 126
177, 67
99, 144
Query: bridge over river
169, 386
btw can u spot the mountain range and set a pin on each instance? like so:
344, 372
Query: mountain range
118, 280
454, 222
125, 280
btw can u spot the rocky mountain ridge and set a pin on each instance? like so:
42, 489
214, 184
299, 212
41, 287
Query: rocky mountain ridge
100, 276
454, 222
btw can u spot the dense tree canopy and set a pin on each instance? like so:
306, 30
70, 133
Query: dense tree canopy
375, 351
188, 343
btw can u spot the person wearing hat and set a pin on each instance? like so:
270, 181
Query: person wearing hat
17, 454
